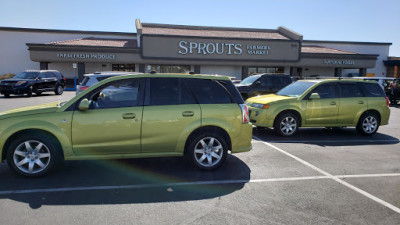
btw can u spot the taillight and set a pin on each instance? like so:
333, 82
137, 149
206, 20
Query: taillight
387, 102
245, 113
82, 88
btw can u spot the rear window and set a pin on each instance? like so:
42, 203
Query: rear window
373, 90
209, 91
91, 80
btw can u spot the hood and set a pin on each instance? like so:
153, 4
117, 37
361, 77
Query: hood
265, 99
30, 110
14, 80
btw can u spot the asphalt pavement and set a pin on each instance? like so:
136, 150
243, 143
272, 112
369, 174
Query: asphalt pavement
318, 177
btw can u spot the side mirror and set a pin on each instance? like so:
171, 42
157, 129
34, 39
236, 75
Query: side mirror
84, 105
315, 96
257, 83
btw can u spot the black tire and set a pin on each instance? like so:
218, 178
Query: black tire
6, 95
59, 90
368, 124
29, 91
286, 124
38, 93
210, 156
34, 160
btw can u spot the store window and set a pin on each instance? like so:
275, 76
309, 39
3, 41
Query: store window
123, 67
258, 70
168, 68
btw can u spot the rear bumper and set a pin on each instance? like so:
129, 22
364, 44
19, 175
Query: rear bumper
242, 141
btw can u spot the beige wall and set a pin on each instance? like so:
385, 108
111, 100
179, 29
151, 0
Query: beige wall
14, 54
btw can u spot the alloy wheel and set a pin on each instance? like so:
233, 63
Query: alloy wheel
32, 157
369, 124
288, 125
208, 151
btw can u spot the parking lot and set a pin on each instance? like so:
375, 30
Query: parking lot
317, 177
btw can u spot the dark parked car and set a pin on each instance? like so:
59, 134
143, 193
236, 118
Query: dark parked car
94, 78
262, 84
33, 81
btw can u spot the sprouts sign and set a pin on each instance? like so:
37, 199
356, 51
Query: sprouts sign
192, 48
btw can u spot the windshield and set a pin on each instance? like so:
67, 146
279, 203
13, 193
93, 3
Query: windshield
27, 75
296, 89
250, 80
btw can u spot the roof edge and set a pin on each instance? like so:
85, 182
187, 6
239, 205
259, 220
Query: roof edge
207, 27
348, 42
21, 29
290, 34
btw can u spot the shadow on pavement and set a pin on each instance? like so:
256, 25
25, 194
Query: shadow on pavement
326, 137
135, 181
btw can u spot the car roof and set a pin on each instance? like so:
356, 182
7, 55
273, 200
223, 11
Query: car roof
110, 73
339, 80
41, 71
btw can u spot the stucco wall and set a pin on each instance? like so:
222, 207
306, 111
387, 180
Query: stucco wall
382, 50
14, 54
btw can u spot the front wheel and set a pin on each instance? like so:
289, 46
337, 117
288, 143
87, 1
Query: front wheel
286, 124
368, 124
6, 95
33, 154
208, 151
29, 91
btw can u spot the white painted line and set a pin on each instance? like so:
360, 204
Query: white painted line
368, 195
369, 175
138, 186
337, 141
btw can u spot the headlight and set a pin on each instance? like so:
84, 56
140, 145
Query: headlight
260, 106
20, 83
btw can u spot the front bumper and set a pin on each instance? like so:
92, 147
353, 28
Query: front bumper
12, 89
261, 117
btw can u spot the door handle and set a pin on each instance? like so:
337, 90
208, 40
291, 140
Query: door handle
128, 115
187, 113
333, 103
360, 102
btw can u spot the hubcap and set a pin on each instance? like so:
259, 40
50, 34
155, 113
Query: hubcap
31, 156
288, 125
208, 151
369, 124
60, 89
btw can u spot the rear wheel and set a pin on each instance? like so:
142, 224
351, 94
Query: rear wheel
368, 124
207, 151
33, 154
38, 93
286, 124
59, 90
6, 95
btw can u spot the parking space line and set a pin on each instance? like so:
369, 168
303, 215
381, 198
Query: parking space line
216, 182
338, 141
335, 178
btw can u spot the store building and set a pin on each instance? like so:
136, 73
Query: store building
237, 52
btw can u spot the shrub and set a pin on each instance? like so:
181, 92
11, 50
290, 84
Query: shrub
6, 76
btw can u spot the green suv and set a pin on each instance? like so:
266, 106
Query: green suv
142, 115
322, 103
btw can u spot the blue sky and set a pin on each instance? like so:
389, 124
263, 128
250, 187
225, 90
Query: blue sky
338, 20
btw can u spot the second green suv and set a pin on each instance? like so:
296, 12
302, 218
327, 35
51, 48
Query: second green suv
143, 115
322, 103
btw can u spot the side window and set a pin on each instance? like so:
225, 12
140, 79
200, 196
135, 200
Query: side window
209, 91
350, 90
164, 91
372, 90
266, 81
325, 91
49, 75
118, 94
42, 75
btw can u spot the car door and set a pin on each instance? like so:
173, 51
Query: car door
352, 101
323, 111
41, 81
170, 112
112, 124
262, 86
51, 81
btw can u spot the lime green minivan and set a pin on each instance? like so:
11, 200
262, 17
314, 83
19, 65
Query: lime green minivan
142, 115
322, 103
